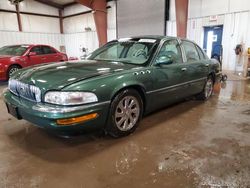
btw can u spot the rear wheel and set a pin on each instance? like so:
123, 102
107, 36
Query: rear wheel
207, 90
125, 113
12, 69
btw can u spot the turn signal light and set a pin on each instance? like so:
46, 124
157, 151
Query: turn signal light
74, 120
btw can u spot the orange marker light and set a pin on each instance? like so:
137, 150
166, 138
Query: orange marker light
74, 120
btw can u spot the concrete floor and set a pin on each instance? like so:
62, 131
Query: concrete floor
191, 144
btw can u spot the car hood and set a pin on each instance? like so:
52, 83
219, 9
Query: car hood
56, 76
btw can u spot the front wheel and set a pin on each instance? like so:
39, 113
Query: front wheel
207, 90
12, 69
125, 113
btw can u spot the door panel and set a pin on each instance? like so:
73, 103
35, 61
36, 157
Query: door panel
197, 68
168, 73
51, 55
38, 58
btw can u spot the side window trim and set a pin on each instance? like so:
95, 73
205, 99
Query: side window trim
199, 52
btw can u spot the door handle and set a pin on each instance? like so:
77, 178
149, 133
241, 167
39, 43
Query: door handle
184, 69
43, 58
207, 65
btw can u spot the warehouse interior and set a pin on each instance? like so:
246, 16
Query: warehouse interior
188, 144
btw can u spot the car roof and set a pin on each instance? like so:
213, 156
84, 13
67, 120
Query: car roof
155, 37
29, 45
160, 37
149, 36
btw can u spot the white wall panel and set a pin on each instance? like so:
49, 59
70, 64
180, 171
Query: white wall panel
239, 5
171, 28
172, 12
195, 31
74, 9
79, 23
4, 4
8, 21
36, 7
194, 8
206, 21
40, 24
111, 34
75, 41
214, 7
111, 15
10, 38
236, 31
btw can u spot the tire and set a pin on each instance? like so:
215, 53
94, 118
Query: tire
207, 90
124, 115
12, 69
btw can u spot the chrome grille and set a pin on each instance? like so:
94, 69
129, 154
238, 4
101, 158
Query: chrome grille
26, 91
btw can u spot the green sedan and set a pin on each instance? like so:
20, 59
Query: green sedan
114, 87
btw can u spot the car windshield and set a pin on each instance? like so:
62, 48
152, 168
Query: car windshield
13, 50
134, 51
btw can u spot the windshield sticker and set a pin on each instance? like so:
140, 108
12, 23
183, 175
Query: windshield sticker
23, 46
147, 40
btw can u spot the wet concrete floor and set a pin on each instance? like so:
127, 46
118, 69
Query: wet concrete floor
191, 144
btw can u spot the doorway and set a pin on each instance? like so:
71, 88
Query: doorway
212, 41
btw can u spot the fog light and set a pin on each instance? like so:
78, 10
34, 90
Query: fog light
74, 120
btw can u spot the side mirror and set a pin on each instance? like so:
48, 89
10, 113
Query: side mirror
32, 54
165, 60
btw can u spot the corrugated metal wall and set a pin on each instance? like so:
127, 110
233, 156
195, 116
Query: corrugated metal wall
75, 41
46, 30
75, 35
10, 38
234, 15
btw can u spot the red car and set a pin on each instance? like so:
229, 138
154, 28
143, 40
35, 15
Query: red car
16, 57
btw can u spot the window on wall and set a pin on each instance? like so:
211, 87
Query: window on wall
191, 51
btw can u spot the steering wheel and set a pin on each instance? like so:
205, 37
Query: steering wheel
139, 53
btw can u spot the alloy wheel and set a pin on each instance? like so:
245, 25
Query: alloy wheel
127, 113
209, 88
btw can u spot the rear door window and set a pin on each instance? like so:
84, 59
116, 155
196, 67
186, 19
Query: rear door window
48, 50
190, 51
37, 49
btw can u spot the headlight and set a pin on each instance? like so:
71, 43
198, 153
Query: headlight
70, 98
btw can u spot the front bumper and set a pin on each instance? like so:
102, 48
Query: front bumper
45, 116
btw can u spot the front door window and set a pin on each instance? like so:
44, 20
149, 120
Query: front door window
170, 53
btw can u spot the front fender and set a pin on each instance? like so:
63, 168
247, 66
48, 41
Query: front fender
106, 87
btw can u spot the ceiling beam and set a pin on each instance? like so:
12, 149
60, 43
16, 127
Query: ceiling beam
50, 3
